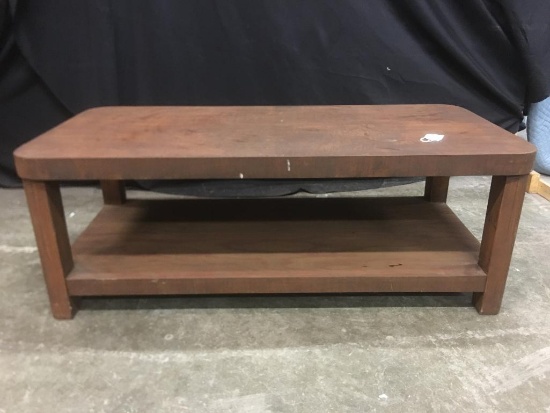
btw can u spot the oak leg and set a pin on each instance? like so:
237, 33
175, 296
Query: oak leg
114, 192
499, 235
436, 188
52, 240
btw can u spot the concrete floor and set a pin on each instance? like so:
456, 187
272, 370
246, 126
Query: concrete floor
430, 353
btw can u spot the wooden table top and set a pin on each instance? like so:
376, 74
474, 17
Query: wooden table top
278, 142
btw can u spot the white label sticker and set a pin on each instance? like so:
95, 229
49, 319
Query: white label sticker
432, 137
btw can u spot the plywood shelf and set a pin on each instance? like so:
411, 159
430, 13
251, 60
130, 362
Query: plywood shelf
295, 245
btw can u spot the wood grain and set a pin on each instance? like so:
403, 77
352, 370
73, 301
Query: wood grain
52, 240
275, 246
538, 185
114, 143
544, 189
533, 182
499, 235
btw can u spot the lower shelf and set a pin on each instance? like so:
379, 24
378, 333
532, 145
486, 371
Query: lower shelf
294, 245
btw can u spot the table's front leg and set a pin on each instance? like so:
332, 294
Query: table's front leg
499, 235
52, 240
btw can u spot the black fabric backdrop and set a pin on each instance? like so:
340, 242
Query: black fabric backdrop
59, 57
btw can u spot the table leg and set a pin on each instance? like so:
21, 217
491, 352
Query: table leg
436, 188
114, 192
52, 240
499, 235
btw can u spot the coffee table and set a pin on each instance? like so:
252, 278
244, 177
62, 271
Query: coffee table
290, 245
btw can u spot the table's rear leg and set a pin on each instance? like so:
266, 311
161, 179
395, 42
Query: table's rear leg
436, 188
499, 235
52, 240
114, 192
